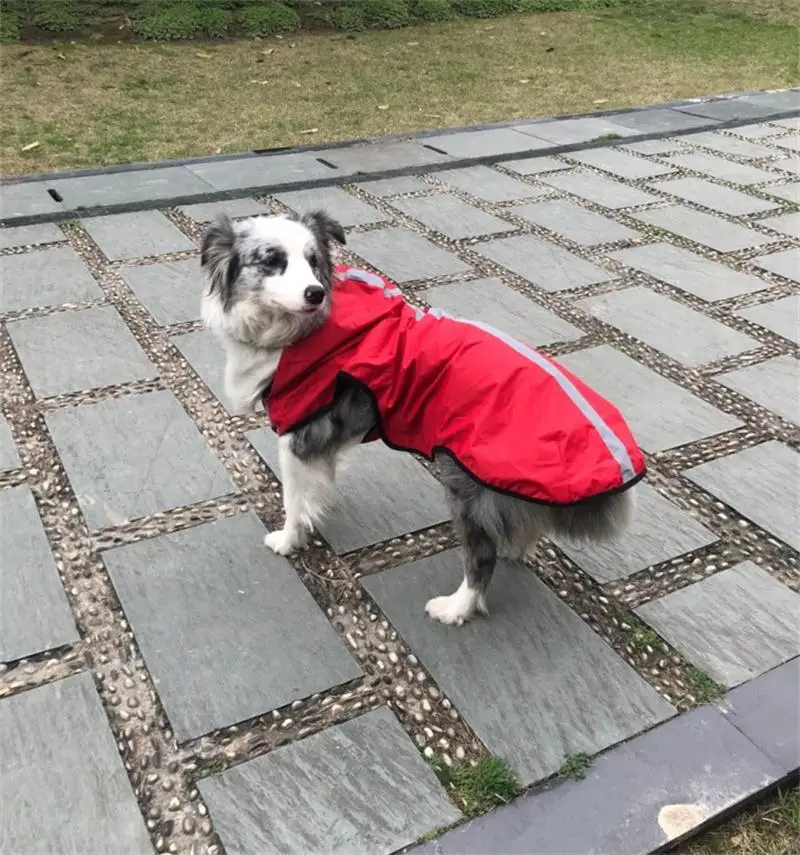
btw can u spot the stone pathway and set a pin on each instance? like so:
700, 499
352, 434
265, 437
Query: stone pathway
168, 685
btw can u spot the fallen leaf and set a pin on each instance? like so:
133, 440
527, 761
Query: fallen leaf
383, 106
525, 80
204, 55
60, 56
310, 131
412, 44
31, 146
268, 51
601, 101
296, 83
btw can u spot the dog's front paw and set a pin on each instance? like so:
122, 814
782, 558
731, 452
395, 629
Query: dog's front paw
456, 609
284, 541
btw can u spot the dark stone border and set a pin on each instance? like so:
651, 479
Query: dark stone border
54, 214
689, 773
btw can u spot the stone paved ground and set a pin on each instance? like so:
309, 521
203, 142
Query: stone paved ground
170, 685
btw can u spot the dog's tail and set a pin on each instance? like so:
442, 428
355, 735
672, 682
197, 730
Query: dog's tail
599, 519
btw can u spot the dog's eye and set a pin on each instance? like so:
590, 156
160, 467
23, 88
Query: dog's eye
314, 263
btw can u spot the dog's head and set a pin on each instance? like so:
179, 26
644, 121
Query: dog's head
269, 278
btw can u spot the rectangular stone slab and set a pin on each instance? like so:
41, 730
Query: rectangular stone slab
486, 183
701, 228
774, 384
760, 483
718, 167
485, 143
452, 216
30, 235
705, 768
785, 263
766, 710
359, 788
574, 222
659, 531
494, 303
243, 172
682, 333
24, 200
569, 131
376, 157
204, 352
381, 494
658, 120
341, 205
85, 350
788, 224
727, 109
132, 456
171, 291
714, 196
225, 626
619, 163
534, 165
47, 277
734, 625
205, 212
9, 456
533, 679
660, 413
404, 255
34, 612
779, 316
136, 235
602, 191
690, 272
542, 263
385, 187
729, 145
64, 786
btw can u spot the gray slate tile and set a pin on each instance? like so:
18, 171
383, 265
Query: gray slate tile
384, 187
569, 131
702, 228
534, 681
47, 277
726, 110
343, 206
692, 273
486, 143
486, 183
780, 316
377, 157
27, 199
660, 413
714, 196
760, 483
30, 235
171, 291
204, 352
789, 224
660, 531
791, 143
403, 255
142, 185
494, 303
718, 167
786, 99
205, 212
133, 456
728, 145
785, 263
788, 164
734, 625
143, 233
85, 350
791, 123
621, 807
685, 335
34, 613
534, 165
452, 216
65, 788
244, 172
774, 384
310, 796
619, 163
542, 263
216, 616
658, 119
766, 710
574, 222
756, 132
657, 146
9, 456
381, 494
601, 191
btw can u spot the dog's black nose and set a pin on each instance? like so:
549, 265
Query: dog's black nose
314, 295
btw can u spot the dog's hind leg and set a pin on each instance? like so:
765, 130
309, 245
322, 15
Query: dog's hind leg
480, 557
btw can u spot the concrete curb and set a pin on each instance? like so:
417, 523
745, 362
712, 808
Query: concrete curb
658, 789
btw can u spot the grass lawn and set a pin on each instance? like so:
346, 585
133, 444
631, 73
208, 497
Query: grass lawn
769, 828
87, 104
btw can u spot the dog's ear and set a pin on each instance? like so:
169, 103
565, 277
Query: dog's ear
324, 227
218, 255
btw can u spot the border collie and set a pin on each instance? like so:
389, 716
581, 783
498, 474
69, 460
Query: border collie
270, 283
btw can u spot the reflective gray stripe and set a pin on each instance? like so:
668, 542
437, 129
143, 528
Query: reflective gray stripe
612, 442
371, 279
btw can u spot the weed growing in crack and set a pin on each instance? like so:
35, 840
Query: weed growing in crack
575, 766
705, 689
479, 788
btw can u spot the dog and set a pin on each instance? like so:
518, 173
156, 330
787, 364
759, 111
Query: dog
271, 288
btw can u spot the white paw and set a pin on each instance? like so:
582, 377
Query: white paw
457, 608
283, 541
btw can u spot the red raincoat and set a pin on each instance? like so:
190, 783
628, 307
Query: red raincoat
515, 419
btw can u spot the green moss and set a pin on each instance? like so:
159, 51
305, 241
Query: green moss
575, 766
705, 689
480, 788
